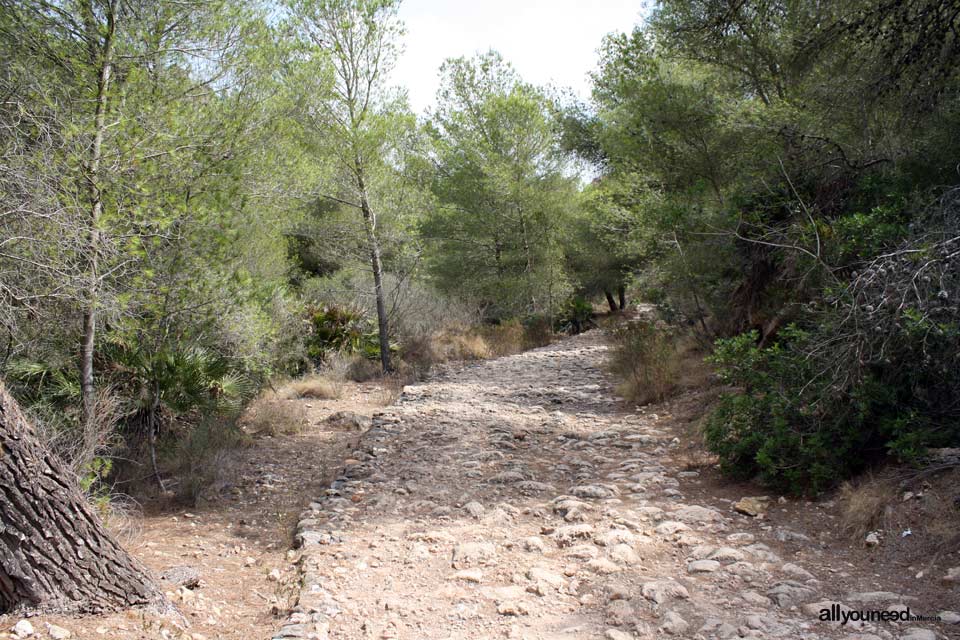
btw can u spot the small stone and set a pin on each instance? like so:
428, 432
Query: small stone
469, 575
619, 612
616, 634
534, 543
467, 553
741, 538
872, 597
727, 554
949, 617
918, 633
753, 506
182, 576
872, 539
674, 624
274, 575
582, 552
797, 571
538, 574
58, 633
755, 598
703, 566
475, 509
23, 629
624, 554
617, 591
671, 527
507, 477
663, 590
952, 576
789, 593
602, 566
513, 608
786, 535
614, 537
592, 492
567, 535
695, 514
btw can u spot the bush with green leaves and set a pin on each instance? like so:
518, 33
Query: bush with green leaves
804, 416
339, 329
575, 316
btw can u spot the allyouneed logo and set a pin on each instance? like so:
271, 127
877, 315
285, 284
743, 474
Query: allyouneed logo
836, 613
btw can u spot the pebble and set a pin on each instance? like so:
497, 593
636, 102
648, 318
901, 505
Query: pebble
674, 624
23, 629
57, 632
703, 566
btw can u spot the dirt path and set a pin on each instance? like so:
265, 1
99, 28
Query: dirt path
512, 499
236, 542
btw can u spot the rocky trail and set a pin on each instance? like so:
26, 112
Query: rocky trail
515, 498
510, 498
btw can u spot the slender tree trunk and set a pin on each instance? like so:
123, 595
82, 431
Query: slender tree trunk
610, 301
87, 389
370, 224
622, 297
54, 553
528, 270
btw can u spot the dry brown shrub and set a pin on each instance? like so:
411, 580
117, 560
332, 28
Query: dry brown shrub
272, 414
654, 363
865, 505
459, 345
505, 338
319, 387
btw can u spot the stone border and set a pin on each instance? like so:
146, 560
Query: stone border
316, 530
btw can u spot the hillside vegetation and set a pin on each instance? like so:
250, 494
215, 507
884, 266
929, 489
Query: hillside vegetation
198, 199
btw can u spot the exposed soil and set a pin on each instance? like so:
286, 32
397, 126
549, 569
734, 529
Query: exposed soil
236, 538
518, 498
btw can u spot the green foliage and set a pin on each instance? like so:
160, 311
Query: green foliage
575, 316
341, 330
797, 430
496, 237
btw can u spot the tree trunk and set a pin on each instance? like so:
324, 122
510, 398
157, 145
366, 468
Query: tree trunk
54, 554
370, 224
610, 301
622, 297
87, 389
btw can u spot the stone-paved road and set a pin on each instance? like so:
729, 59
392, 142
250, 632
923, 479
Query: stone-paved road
513, 499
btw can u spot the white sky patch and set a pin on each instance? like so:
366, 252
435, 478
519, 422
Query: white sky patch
547, 41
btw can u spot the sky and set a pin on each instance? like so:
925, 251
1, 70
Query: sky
547, 41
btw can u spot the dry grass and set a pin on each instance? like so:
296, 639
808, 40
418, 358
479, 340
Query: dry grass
318, 387
654, 364
512, 337
865, 505
466, 344
272, 414
458, 345
390, 390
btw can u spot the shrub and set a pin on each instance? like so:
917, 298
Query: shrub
801, 431
646, 358
202, 457
273, 415
576, 316
340, 330
515, 336
318, 387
